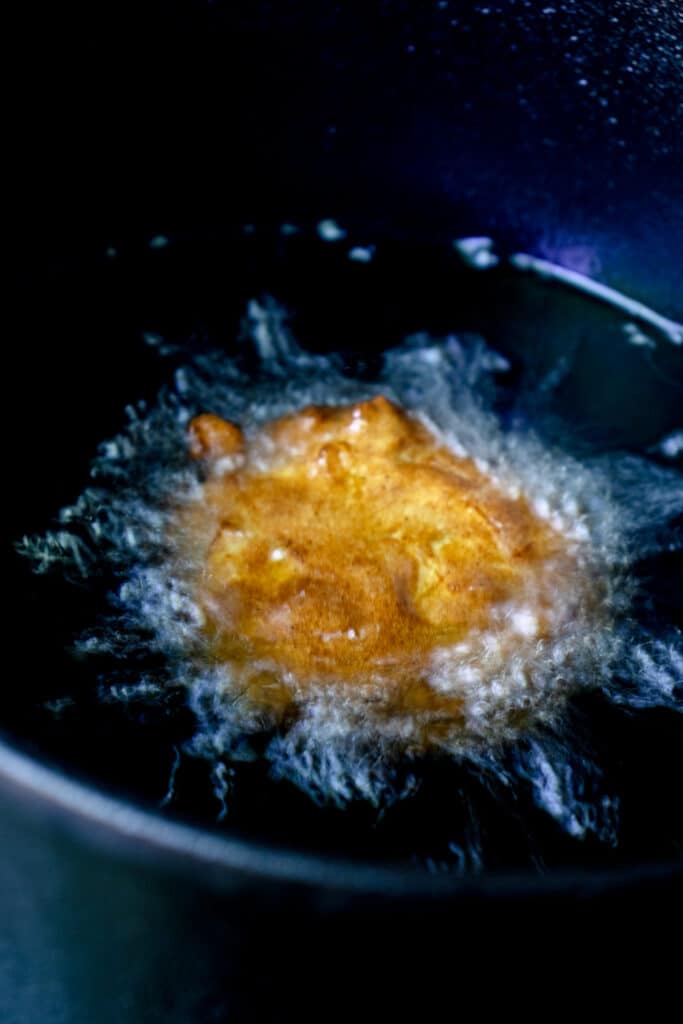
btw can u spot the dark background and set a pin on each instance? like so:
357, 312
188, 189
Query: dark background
554, 126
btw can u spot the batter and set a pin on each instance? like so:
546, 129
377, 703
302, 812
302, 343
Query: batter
349, 547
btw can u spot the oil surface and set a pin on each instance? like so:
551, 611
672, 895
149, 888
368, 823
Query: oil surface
155, 691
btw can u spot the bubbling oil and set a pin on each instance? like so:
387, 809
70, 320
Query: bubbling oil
511, 672
348, 551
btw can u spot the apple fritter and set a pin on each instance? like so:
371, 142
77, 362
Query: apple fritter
345, 545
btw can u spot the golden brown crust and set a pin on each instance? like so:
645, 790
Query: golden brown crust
349, 546
211, 438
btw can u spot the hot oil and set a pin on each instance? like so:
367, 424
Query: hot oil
142, 714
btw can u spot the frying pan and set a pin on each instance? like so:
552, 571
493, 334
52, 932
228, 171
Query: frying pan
159, 156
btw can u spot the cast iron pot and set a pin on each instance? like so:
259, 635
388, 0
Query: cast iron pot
556, 131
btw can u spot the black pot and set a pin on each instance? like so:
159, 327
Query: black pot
152, 141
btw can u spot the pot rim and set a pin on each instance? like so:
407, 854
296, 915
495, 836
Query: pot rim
85, 809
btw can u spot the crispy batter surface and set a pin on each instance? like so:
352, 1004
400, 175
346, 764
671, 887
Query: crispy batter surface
343, 545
